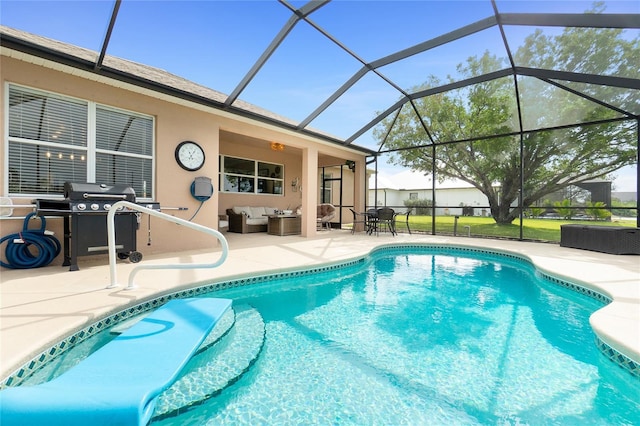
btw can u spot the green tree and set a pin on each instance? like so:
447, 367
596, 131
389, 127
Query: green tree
552, 159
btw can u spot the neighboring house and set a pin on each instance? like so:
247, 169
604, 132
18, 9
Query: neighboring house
451, 195
67, 119
454, 194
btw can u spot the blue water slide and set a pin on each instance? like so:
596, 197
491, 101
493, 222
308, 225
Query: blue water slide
118, 384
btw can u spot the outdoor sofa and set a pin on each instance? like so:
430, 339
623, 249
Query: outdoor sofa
248, 219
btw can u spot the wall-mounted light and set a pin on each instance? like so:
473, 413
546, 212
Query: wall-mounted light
294, 184
277, 146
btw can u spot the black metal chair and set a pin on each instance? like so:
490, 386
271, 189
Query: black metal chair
386, 219
372, 221
406, 220
359, 218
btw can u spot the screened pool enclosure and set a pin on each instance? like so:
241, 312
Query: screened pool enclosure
532, 108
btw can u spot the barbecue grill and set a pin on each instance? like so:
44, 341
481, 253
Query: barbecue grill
85, 209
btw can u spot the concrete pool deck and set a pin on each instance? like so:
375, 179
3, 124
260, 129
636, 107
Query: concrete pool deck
40, 307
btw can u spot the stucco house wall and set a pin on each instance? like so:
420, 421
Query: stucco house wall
217, 131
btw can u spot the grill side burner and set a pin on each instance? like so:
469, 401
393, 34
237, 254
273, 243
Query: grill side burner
84, 210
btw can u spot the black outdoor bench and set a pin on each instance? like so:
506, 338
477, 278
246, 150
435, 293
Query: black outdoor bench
605, 239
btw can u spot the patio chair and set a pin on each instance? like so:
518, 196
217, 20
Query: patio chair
358, 218
325, 213
372, 221
406, 220
386, 218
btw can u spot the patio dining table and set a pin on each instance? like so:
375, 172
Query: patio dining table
377, 218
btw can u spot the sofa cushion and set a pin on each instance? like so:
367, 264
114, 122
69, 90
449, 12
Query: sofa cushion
269, 210
257, 221
242, 210
256, 212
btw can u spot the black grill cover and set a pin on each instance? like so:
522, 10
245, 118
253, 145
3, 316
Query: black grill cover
95, 191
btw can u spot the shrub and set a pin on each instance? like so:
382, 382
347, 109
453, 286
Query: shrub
598, 210
623, 208
563, 208
421, 206
536, 211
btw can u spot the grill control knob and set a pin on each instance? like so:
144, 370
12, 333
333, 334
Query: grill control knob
107, 207
95, 206
82, 206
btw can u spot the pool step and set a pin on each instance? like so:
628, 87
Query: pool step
120, 382
220, 365
222, 327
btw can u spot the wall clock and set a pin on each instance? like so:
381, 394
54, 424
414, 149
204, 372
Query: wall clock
190, 155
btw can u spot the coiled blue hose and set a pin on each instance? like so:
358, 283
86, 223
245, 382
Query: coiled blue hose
30, 248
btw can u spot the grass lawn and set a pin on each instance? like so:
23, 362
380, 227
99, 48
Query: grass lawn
532, 229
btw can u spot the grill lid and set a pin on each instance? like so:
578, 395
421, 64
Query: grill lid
94, 191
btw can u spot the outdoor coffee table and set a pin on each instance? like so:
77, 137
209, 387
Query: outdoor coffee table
284, 224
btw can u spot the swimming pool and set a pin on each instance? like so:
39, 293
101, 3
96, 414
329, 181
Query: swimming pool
410, 336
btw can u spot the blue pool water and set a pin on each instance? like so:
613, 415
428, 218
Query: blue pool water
409, 337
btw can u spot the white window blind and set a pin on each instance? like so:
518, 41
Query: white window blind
47, 141
124, 149
40, 116
49, 145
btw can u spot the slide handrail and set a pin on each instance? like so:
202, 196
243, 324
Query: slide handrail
111, 238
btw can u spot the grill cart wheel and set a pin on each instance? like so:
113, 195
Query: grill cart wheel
123, 256
135, 257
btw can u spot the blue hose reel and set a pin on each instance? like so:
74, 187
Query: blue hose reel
30, 248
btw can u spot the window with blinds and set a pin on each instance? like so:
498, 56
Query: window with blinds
50, 143
124, 149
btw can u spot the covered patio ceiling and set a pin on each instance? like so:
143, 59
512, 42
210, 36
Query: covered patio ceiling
333, 69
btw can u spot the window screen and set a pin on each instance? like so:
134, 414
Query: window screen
124, 144
43, 117
47, 141
49, 144
42, 169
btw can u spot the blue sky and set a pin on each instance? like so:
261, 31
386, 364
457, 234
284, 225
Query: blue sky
215, 43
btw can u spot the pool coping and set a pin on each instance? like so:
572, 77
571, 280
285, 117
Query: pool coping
608, 343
